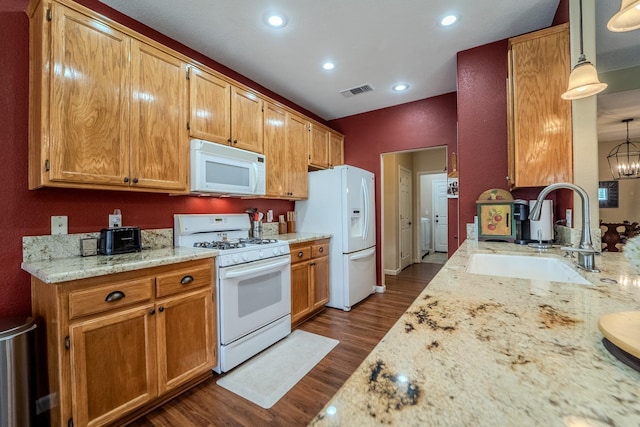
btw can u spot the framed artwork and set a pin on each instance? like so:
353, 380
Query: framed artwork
452, 188
608, 194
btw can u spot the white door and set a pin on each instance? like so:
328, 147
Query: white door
406, 230
440, 221
360, 222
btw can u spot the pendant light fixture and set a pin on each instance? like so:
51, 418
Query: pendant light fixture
624, 159
583, 80
627, 18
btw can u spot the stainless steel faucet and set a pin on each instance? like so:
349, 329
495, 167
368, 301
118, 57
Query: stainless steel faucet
586, 252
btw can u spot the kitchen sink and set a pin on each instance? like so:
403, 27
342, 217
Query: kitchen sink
524, 267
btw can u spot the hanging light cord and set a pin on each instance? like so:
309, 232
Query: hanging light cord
582, 58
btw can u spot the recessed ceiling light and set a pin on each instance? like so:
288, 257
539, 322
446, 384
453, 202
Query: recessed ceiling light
448, 20
328, 65
276, 20
400, 87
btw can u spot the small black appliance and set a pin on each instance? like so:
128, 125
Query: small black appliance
521, 218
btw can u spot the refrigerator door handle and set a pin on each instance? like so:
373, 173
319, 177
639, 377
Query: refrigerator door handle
365, 254
365, 194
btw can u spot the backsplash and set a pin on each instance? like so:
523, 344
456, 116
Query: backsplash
39, 248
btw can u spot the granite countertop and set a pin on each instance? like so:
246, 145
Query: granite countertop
300, 237
74, 268
485, 350
55, 259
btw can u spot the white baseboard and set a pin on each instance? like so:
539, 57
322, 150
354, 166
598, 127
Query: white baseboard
380, 289
392, 272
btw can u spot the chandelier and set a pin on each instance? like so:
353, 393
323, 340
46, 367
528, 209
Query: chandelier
624, 159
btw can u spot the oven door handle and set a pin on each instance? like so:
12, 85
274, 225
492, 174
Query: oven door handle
246, 271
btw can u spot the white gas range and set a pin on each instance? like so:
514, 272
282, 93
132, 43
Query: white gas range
253, 283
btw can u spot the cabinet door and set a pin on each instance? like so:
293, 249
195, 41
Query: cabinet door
186, 328
336, 142
246, 120
298, 156
320, 280
275, 150
495, 220
159, 141
210, 107
319, 147
300, 291
113, 365
541, 144
89, 111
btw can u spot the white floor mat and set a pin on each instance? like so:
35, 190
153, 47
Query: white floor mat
267, 377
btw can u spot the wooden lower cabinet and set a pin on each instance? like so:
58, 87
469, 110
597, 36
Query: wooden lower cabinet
118, 343
309, 279
113, 365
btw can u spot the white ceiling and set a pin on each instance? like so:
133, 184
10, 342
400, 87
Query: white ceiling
375, 42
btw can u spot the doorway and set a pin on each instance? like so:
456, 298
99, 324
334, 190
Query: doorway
440, 215
395, 231
406, 223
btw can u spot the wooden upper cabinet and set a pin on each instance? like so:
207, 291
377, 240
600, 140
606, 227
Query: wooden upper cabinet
275, 150
210, 107
319, 147
106, 110
159, 144
88, 129
223, 113
246, 120
336, 149
540, 144
285, 147
298, 155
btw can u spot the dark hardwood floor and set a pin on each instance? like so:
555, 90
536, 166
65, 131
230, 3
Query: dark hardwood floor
358, 331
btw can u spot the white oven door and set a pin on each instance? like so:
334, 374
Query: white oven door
253, 295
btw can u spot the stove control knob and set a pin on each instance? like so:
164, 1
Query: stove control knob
245, 257
236, 258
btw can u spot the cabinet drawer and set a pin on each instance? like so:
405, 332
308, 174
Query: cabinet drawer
320, 250
104, 298
183, 280
299, 254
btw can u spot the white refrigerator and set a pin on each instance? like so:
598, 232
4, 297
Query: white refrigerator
341, 202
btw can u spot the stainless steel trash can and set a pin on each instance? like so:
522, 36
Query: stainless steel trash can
16, 371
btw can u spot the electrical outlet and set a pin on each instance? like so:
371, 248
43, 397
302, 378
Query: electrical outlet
59, 225
115, 221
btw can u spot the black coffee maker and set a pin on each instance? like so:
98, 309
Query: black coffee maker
521, 218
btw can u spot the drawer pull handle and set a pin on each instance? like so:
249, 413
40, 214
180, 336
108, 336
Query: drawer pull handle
321, 249
115, 296
161, 309
186, 280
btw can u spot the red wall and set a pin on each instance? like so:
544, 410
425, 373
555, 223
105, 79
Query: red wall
482, 126
27, 212
562, 13
426, 123
482, 130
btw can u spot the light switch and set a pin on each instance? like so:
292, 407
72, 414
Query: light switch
59, 225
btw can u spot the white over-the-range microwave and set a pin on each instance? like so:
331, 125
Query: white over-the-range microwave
218, 169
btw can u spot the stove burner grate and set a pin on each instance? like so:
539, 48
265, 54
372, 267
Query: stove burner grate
234, 244
222, 245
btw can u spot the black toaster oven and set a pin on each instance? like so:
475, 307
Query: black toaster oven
120, 240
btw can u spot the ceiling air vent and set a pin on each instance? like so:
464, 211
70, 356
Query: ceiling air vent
348, 93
